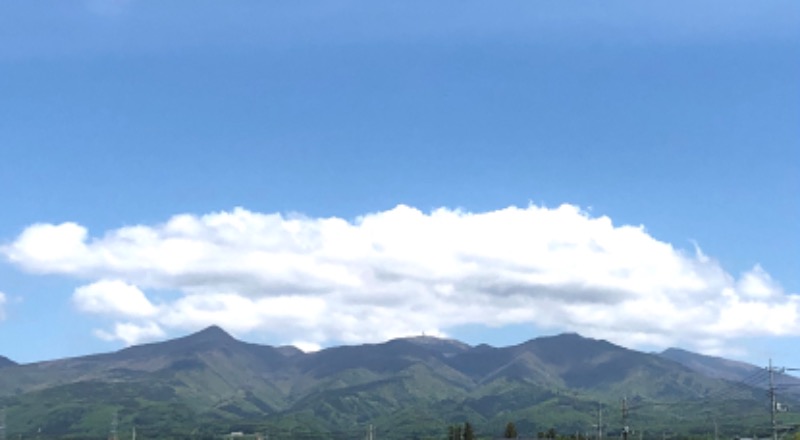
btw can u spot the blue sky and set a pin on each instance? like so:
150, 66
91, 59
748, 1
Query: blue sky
419, 120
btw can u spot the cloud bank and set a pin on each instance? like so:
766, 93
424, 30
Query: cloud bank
312, 281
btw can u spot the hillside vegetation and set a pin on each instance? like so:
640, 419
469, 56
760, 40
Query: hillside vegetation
209, 383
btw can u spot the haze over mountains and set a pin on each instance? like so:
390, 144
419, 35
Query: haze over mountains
209, 382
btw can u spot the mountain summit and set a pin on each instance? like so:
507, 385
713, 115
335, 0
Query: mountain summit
213, 333
214, 330
6, 362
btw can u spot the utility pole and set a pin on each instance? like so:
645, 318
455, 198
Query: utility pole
774, 405
624, 418
114, 422
773, 401
716, 429
599, 422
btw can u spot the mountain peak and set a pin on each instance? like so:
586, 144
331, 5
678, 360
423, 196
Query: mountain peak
208, 338
211, 333
574, 338
6, 362
438, 343
428, 339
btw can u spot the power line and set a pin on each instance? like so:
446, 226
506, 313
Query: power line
775, 406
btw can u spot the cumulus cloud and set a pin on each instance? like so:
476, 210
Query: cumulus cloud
56, 248
403, 271
131, 333
113, 297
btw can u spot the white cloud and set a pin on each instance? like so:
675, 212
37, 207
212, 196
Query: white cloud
55, 249
130, 333
113, 297
2, 306
308, 347
758, 284
402, 272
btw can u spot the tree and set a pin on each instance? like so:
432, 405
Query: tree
469, 433
511, 430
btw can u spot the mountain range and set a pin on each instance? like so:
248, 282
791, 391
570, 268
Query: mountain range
210, 383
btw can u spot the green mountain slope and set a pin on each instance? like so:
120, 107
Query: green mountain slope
710, 365
210, 382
